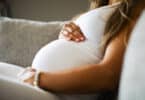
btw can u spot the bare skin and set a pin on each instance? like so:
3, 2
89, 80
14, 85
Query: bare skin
97, 77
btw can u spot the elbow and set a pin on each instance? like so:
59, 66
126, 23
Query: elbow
109, 81
113, 85
113, 81
111, 77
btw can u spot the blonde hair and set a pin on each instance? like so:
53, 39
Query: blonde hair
118, 20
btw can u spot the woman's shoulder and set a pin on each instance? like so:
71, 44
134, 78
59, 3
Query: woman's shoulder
112, 6
103, 10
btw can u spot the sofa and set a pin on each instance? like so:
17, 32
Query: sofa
20, 39
132, 84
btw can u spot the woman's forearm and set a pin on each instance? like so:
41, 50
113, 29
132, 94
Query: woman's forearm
82, 80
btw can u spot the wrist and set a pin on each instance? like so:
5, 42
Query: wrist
43, 80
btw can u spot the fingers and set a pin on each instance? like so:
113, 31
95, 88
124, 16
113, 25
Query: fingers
72, 32
74, 36
26, 76
28, 69
74, 26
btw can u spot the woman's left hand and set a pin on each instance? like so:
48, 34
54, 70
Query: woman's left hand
27, 76
72, 32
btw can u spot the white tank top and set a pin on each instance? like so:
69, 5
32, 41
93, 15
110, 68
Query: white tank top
62, 54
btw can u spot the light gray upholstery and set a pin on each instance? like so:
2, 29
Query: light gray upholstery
133, 75
21, 39
12, 89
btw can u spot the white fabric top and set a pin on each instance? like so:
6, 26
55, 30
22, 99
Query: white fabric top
62, 54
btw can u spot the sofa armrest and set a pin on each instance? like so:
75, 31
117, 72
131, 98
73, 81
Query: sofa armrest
20, 39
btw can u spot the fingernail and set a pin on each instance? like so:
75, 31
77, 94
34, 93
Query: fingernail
77, 40
82, 38
65, 33
68, 39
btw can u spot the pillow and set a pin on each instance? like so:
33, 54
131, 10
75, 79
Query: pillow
20, 39
133, 76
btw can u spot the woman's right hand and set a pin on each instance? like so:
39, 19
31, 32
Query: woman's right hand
72, 32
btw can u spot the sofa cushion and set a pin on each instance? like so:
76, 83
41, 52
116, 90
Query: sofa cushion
20, 39
133, 75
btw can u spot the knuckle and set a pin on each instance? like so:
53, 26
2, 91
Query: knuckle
65, 33
77, 33
70, 35
68, 38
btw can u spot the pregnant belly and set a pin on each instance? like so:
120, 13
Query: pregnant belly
61, 54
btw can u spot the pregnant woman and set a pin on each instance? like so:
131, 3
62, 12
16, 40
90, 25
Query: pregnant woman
87, 60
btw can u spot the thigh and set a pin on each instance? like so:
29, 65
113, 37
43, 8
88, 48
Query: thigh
9, 70
15, 90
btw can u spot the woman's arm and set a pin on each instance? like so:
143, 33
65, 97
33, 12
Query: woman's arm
91, 78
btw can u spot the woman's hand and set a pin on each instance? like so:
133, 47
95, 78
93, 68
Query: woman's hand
27, 76
72, 32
